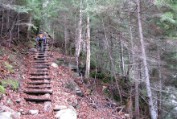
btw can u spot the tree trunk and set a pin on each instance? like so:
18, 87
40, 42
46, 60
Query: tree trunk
18, 27
152, 110
135, 74
65, 34
29, 26
87, 70
79, 40
122, 65
160, 85
2, 25
8, 20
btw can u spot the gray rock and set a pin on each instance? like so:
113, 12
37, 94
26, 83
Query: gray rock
32, 50
75, 74
8, 113
47, 106
34, 112
5, 115
18, 100
54, 65
69, 113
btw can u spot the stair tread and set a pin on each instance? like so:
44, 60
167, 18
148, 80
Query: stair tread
38, 91
37, 98
39, 77
39, 86
39, 82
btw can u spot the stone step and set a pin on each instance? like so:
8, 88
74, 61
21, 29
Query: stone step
38, 91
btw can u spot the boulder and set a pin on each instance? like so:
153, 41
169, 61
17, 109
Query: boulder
69, 113
34, 112
5, 115
54, 65
8, 113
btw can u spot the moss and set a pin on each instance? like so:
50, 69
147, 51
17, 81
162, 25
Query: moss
10, 83
9, 67
2, 90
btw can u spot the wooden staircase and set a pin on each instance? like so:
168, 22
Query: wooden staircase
38, 87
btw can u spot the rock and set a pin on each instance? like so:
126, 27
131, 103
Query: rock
78, 91
54, 65
32, 50
16, 115
8, 113
5, 115
127, 116
6, 109
69, 113
18, 100
59, 107
47, 106
34, 112
9, 101
75, 74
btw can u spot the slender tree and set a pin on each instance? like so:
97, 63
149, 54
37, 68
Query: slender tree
152, 110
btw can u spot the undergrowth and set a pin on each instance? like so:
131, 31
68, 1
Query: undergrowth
13, 84
9, 67
2, 89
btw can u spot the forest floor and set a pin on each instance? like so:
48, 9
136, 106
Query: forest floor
92, 105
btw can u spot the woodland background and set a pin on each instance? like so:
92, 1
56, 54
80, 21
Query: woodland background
130, 45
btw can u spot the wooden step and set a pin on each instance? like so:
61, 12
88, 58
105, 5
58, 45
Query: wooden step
37, 98
39, 86
39, 74
41, 59
36, 55
39, 82
40, 62
42, 67
35, 71
39, 69
38, 91
39, 78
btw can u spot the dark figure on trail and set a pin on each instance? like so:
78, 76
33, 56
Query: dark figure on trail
40, 41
